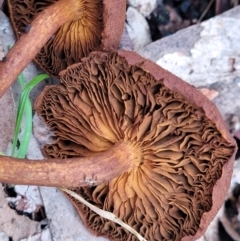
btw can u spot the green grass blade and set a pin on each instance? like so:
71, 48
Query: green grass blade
24, 102
22, 82
24, 106
36, 80
27, 130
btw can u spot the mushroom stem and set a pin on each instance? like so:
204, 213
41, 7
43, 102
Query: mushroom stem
41, 30
75, 172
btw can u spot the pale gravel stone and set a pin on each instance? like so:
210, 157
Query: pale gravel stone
3, 237
215, 57
145, 7
45, 235
137, 28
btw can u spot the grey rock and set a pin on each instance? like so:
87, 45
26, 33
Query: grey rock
3, 237
145, 7
137, 28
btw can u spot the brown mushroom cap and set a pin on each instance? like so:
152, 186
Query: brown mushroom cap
99, 26
186, 151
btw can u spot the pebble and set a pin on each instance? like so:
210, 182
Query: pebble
145, 7
137, 28
237, 81
3, 237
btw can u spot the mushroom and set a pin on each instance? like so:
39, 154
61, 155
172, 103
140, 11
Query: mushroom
60, 33
169, 155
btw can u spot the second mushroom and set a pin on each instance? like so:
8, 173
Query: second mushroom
58, 33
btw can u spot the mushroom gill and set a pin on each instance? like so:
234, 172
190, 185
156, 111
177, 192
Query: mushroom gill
73, 40
58, 33
186, 153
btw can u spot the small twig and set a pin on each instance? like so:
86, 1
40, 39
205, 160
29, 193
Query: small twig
104, 214
205, 11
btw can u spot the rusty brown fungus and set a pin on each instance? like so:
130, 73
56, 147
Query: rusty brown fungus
59, 33
110, 98
71, 42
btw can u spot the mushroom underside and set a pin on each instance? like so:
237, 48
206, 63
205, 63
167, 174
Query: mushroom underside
104, 100
73, 41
